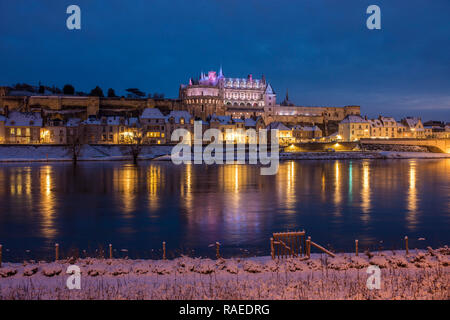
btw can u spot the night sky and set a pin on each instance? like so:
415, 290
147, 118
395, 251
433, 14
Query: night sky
320, 50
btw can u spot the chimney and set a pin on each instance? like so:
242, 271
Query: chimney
6, 111
250, 77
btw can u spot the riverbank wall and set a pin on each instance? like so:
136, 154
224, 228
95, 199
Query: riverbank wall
44, 153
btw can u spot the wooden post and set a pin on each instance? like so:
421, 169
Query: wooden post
406, 245
217, 250
272, 250
110, 251
1, 255
308, 247
356, 247
56, 251
164, 250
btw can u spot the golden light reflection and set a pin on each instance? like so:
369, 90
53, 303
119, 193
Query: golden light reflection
186, 188
155, 183
412, 201
47, 203
365, 192
290, 186
337, 186
126, 183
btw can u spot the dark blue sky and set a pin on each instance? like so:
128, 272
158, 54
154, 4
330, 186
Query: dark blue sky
320, 50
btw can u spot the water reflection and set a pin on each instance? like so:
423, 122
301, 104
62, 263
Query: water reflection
365, 192
337, 187
47, 203
196, 205
155, 182
412, 200
125, 184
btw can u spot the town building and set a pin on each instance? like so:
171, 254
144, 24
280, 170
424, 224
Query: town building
354, 128
23, 127
414, 128
153, 124
2, 129
54, 132
284, 133
300, 132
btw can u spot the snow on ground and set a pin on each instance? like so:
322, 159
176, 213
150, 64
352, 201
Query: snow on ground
88, 153
361, 155
14, 153
420, 275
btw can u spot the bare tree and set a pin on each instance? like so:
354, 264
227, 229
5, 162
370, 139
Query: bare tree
75, 149
137, 140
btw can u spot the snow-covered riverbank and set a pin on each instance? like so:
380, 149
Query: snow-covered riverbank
42, 153
361, 155
420, 275
15, 153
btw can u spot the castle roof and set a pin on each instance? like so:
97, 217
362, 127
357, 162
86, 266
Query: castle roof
24, 119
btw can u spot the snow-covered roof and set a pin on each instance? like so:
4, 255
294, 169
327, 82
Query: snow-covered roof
375, 123
73, 122
152, 113
277, 126
92, 121
249, 122
387, 119
305, 128
2, 118
24, 119
269, 89
177, 115
238, 120
354, 119
113, 120
412, 122
314, 128
132, 121
221, 119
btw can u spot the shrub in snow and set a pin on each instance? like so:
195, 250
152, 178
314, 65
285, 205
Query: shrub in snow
398, 261
443, 260
205, 266
30, 270
271, 266
445, 250
231, 266
141, 268
7, 272
314, 264
51, 270
220, 264
162, 267
119, 270
380, 261
358, 262
252, 267
95, 271
185, 264
338, 263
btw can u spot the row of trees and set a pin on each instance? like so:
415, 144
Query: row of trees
69, 89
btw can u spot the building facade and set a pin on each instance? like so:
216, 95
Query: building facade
214, 93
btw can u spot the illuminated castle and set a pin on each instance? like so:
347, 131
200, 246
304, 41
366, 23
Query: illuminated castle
213, 93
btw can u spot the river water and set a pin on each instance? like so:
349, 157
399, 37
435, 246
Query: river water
190, 207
